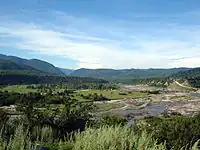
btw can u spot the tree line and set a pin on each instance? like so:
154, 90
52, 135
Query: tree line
13, 79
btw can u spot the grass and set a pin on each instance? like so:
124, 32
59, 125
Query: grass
102, 138
18, 89
115, 94
24, 89
114, 138
182, 97
18, 141
108, 106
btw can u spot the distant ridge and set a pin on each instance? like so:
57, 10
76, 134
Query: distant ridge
13, 64
188, 73
112, 74
66, 71
34, 64
9, 67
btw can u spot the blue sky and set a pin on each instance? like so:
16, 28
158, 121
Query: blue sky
103, 33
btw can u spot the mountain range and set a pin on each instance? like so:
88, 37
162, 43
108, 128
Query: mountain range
66, 71
111, 74
15, 64
29, 64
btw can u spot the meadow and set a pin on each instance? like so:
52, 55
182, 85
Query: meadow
114, 94
18, 89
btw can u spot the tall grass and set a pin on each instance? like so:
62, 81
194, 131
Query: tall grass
103, 138
18, 141
114, 138
196, 147
21, 140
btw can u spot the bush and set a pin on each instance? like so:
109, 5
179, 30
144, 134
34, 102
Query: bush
122, 93
154, 92
177, 131
112, 120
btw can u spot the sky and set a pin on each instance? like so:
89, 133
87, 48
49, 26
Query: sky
103, 33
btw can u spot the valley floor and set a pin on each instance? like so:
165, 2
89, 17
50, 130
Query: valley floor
167, 101
135, 101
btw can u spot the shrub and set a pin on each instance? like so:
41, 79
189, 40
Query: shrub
112, 120
177, 131
114, 138
122, 93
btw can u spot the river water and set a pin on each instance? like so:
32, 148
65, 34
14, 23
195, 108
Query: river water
195, 94
152, 110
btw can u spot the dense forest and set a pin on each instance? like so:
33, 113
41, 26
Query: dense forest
192, 76
35, 64
194, 81
33, 79
187, 74
9, 67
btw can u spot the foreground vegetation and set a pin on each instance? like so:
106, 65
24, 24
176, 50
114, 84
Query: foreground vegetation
65, 117
103, 138
110, 134
41, 108
71, 125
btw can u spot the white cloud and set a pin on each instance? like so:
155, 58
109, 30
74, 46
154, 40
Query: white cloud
187, 62
107, 47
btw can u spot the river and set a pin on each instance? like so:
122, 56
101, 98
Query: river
195, 94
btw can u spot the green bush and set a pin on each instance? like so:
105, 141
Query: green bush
177, 131
111, 120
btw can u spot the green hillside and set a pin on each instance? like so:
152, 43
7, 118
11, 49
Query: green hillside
187, 74
192, 76
44, 66
15, 79
12, 73
125, 74
34, 63
6, 65
9, 67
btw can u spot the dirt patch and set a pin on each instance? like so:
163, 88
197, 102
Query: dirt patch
184, 107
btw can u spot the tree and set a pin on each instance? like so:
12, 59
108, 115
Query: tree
70, 115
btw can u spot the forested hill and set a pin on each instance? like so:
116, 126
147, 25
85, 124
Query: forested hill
34, 64
19, 67
66, 71
14, 79
9, 67
111, 74
6, 64
188, 74
192, 76
12, 73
